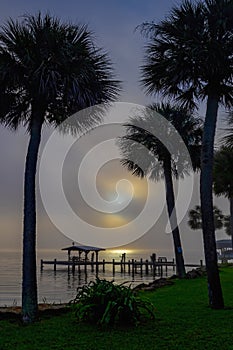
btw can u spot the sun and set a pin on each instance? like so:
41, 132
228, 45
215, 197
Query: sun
121, 251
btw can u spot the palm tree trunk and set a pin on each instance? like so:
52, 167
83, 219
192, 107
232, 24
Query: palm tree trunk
170, 199
29, 287
214, 285
231, 219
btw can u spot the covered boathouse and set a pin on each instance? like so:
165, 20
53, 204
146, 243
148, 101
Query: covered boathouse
82, 252
224, 249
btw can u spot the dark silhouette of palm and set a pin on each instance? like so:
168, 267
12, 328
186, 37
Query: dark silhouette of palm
158, 162
223, 179
227, 225
227, 140
189, 58
48, 71
195, 218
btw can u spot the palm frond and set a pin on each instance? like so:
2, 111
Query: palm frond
57, 65
189, 53
149, 141
223, 172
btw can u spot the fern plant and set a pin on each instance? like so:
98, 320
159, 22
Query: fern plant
104, 303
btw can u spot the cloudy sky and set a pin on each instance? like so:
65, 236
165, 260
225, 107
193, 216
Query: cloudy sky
113, 23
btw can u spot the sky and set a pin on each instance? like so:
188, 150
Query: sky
113, 24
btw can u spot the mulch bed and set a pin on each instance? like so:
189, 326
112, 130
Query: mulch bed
14, 312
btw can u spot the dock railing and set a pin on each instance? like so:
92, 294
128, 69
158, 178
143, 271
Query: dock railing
157, 267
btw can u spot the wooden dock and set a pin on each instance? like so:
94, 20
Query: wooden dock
158, 267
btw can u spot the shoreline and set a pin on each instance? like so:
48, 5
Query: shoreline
14, 312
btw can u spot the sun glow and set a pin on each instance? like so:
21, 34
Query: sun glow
114, 220
121, 251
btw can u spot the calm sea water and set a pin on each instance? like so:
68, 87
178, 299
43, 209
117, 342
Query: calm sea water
59, 286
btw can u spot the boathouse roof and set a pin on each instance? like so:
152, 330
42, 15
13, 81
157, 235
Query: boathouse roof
83, 248
224, 243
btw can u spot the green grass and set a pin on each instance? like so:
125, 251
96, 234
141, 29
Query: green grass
183, 321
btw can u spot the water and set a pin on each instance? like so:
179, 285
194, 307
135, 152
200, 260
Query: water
59, 286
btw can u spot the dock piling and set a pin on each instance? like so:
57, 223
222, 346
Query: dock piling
133, 267
73, 265
129, 267
121, 266
141, 266
159, 267
147, 267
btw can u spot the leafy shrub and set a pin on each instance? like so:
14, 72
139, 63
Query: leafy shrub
105, 303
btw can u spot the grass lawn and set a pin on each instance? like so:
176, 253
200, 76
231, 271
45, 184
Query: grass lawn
183, 321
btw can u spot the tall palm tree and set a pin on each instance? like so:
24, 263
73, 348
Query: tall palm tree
223, 178
48, 70
189, 58
159, 162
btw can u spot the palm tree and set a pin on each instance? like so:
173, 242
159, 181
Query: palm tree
48, 70
159, 162
227, 225
189, 58
227, 140
195, 219
223, 179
